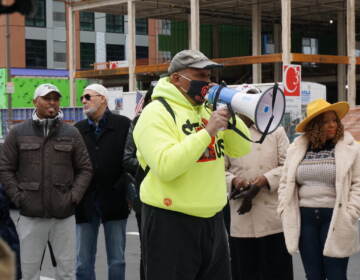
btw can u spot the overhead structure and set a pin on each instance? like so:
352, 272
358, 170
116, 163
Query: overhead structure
280, 14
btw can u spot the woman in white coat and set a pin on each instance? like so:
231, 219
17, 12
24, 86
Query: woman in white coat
319, 192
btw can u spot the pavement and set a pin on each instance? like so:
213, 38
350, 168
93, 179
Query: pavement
133, 253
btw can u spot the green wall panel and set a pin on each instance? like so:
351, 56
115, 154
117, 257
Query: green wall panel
177, 41
25, 87
3, 80
206, 39
234, 41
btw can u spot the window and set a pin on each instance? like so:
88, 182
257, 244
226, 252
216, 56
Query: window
87, 55
59, 16
39, 20
114, 24
142, 52
115, 52
36, 53
141, 26
164, 27
59, 51
87, 21
310, 46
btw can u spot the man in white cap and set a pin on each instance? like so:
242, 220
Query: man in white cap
45, 170
105, 201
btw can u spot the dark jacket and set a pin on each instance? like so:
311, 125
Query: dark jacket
45, 176
132, 165
107, 191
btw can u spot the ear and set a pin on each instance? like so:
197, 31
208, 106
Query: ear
174, 79
34, 101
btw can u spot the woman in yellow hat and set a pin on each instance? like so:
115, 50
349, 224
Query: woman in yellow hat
319, 193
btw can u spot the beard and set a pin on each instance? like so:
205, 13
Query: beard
90, 112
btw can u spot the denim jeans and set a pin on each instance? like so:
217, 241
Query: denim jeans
115, 238
315, 224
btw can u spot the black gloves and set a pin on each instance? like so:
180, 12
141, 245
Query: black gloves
247, 194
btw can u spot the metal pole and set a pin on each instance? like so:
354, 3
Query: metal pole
8, 68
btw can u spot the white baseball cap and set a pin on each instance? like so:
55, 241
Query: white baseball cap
45, 89
100, 89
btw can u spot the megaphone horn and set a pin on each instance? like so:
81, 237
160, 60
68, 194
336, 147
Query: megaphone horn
261, 108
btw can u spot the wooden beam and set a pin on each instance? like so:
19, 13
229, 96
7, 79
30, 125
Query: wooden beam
72, 53
256, 41
318, 58
246, 60
93, 4
195, 25
162, 68
351, 47
286, 30
131, 45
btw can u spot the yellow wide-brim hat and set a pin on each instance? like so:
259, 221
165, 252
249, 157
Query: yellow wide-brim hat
319, 106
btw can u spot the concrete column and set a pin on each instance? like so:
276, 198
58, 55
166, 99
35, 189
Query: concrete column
216, 49
131, 44
341, 50
286, 31
256, 41
277, 49
71, 54
195, 25
351, 47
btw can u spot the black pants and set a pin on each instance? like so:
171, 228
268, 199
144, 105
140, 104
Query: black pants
264, 258
176, 246
138, 220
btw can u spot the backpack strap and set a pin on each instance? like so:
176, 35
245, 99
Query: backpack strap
171, 112
167, 107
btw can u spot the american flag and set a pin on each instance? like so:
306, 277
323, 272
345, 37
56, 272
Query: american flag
139, 102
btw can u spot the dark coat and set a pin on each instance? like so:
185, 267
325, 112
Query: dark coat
132, 166
108, 188
45, 176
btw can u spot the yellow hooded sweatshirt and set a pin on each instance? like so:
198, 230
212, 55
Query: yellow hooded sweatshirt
187, 171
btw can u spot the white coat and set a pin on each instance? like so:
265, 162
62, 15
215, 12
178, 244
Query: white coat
343, 236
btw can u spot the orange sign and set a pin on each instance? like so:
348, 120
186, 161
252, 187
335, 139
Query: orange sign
292, 80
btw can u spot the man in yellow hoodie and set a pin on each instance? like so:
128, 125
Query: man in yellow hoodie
184, 191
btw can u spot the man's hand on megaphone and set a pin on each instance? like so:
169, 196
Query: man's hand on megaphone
218, 120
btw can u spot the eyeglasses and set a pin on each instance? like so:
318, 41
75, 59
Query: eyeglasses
88, 97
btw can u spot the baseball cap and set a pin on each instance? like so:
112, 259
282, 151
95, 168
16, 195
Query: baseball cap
45, 89
191, 59
100, 89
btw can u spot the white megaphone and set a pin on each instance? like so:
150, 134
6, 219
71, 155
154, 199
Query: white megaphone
249, 101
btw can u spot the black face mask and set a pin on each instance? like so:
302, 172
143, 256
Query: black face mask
197, 90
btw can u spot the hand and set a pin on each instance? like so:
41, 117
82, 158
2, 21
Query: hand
239, 183
245, 206
218, 120
260, 181
250, 192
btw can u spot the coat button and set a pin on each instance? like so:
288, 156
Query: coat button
97, 148
340, 204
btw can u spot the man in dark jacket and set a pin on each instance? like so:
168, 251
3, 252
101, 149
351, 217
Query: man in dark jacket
105, 200
45, 170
